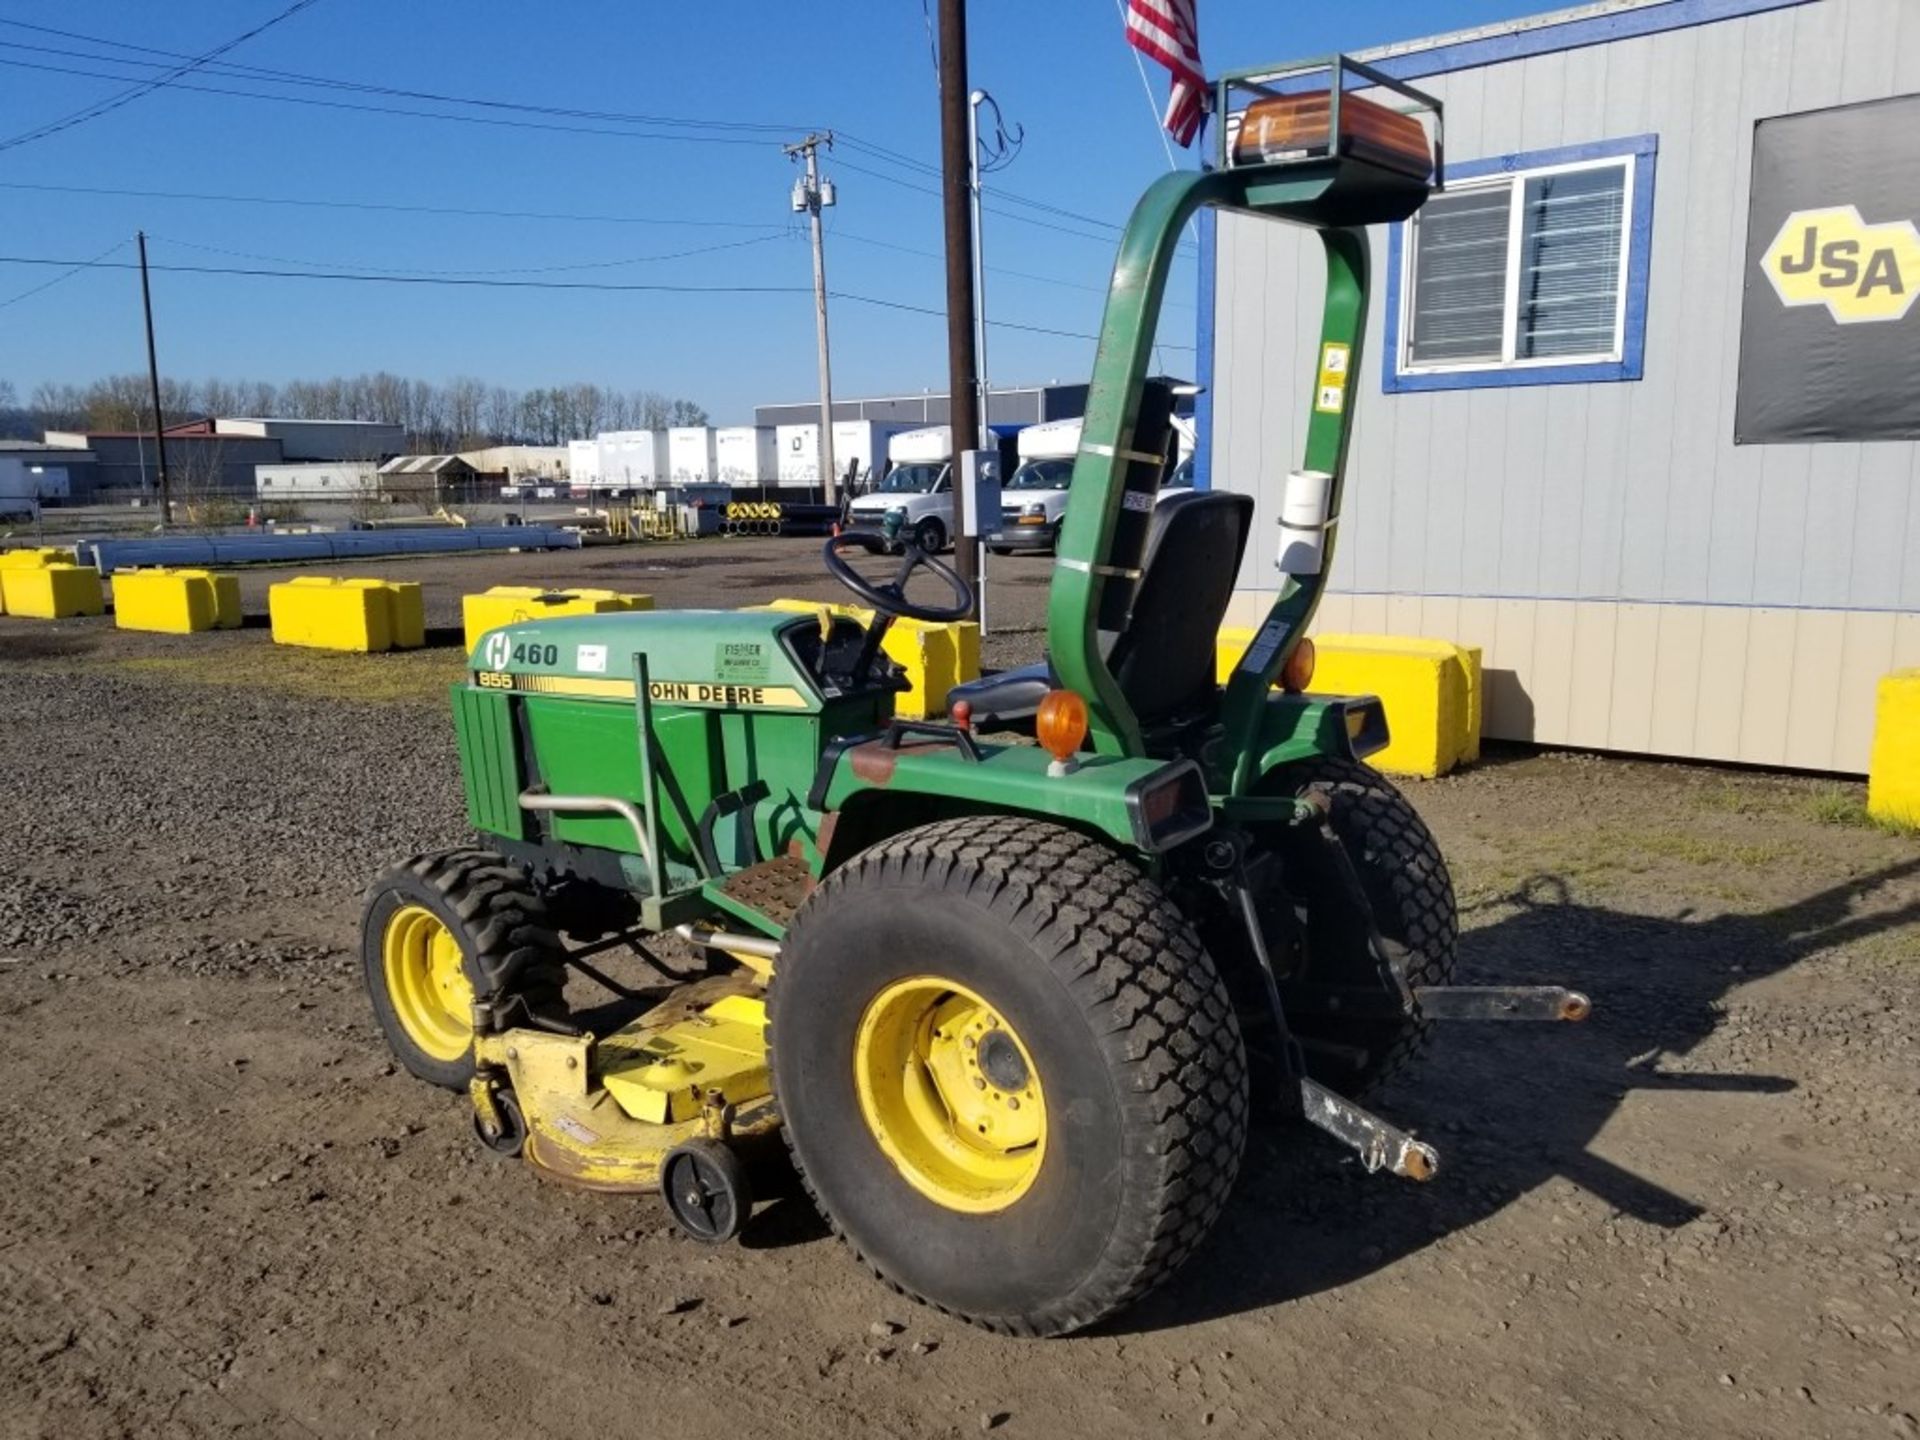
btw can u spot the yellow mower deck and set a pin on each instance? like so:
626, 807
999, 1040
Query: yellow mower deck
602, 1114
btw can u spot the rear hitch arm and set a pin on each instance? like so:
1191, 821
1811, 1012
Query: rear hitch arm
1379, 1145
1441, 1002
1500, 1002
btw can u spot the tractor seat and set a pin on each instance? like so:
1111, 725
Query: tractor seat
1164, 659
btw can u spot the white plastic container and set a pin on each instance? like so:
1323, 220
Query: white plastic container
746, 455
1304, 523
633, 459
690, 456
863, 445
798, 448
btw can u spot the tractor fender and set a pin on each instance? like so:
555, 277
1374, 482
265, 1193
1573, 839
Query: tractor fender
1294, 728
878, 787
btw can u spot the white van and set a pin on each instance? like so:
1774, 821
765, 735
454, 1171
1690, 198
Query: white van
1033, 501
919, 485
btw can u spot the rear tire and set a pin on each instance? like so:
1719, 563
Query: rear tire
1124, 1041
487, 907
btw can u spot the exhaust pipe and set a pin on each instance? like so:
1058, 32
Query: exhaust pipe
758, 946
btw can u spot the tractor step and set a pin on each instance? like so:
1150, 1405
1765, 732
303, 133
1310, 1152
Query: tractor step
770, 891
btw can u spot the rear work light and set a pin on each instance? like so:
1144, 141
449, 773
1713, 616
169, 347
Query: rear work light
1169, 806
1295, 127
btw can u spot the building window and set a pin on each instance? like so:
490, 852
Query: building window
1528, 269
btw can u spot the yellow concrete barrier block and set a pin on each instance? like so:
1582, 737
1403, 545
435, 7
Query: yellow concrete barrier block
176, 602
1431, 689
513, 604
407, 610
34, 557
936, 655
52, 590
1893, 770
28, 557
325, 613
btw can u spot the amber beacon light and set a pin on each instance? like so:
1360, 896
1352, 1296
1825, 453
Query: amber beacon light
1294, 127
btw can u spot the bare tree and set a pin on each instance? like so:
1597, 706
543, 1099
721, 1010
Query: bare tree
464, 413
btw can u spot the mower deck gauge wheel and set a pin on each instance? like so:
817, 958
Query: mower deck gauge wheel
507, 1140
705, 1186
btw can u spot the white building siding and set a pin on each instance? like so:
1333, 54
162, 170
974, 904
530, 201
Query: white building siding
1636, 580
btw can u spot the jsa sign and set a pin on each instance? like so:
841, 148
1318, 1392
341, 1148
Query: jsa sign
1830, 339
1862, 273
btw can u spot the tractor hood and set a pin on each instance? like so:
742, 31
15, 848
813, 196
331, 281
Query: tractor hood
706, 659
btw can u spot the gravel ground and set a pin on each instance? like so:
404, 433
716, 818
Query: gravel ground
224, 1213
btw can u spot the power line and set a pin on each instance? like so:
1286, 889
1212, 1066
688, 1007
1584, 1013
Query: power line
1010, 215
478, 282
385, 207
879, 152
502, 270
778, 231
147, 87
1054, 280
621, 287
396, 110
67, 275
296, 77
1185, 249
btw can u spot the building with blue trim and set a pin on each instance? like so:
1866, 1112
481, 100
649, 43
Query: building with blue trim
1563, 453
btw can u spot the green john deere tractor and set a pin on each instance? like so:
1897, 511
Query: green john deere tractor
1009, 1003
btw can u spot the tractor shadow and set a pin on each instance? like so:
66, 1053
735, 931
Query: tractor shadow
1512, 1107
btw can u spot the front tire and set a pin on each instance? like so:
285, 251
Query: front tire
930, 535
440, 931
1008, 1072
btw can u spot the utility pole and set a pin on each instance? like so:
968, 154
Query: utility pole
956, 166
153, 380
812, 194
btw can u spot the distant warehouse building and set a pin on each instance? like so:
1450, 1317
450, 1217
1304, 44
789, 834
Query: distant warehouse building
435, 478
321, 439
32, 473
1640, 394
318, 480
199, 461
1014, 405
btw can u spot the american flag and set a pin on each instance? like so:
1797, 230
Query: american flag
1167, 31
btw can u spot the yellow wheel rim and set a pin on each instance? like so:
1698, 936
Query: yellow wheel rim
426, 983
951, 1094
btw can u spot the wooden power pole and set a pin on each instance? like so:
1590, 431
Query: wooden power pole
956, 194
153, 381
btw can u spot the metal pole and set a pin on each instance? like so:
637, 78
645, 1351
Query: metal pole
979, 332
153, 381
979, 263
807, 147
956, 171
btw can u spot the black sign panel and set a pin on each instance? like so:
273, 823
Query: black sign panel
1830, 336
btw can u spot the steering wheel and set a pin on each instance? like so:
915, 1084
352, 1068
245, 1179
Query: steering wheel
891, 598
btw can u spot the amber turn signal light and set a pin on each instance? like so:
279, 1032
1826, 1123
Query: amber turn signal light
1297, 673
1061, 724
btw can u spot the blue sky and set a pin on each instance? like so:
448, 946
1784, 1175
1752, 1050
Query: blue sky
1058, 67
